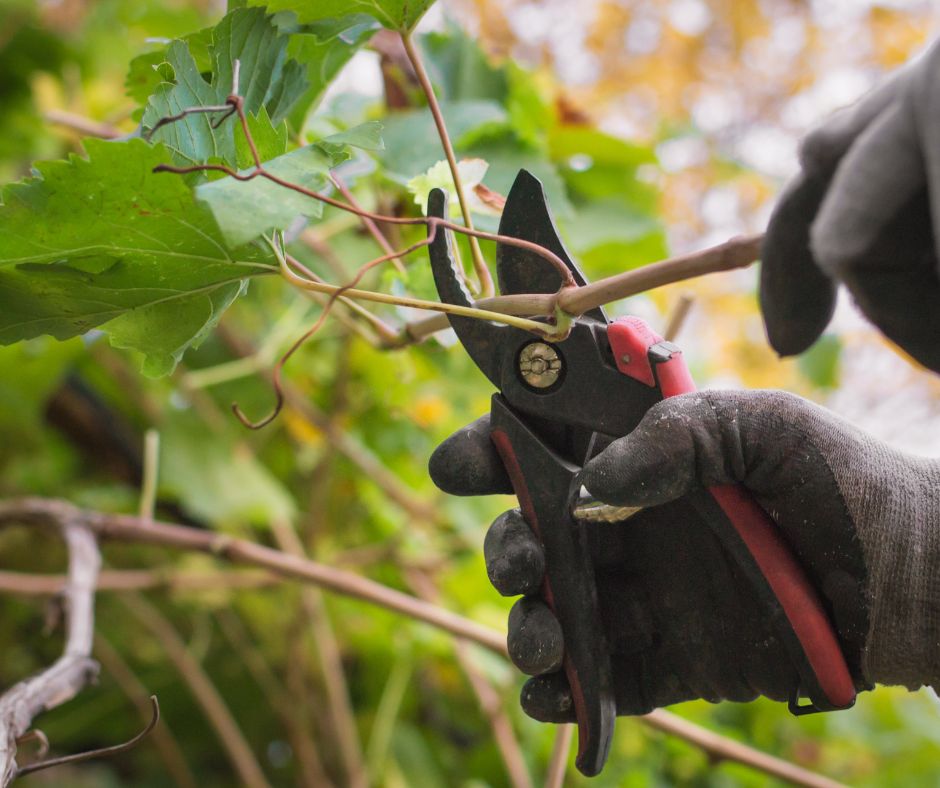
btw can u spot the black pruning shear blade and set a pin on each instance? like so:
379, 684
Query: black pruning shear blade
558, 405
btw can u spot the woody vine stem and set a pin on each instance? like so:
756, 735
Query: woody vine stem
556, 310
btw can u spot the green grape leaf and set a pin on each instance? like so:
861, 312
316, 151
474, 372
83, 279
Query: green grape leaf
165, 330
412, 143
270, 141
93, 240
267, 78
214, 478
401, 15
460, 69
324, 47
365, 136
614, 224
145, 74
246, 209
439, 176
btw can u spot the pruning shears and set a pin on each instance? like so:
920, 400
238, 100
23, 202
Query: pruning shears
558, 405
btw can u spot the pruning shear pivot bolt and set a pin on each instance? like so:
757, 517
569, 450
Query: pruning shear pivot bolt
540, 365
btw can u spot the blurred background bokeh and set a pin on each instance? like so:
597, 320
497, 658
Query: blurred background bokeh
658, 128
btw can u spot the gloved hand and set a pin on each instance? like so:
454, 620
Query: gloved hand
680, 620
864, 211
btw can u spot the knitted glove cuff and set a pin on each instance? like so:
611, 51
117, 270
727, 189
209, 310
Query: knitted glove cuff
895, 503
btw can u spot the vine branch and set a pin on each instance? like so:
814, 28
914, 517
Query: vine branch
62, 680
479, 264
42, 511
516, 310
103, 752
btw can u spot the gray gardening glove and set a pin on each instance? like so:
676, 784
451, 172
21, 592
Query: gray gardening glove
680, 621
863, 212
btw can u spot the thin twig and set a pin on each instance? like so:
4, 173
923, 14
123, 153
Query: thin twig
322, 247
44, 511
343, 442
114, 665
148, 485
509, 306
558, 763
84, 126
203, 690
479, 264
677, 316
331, 664
385, 333
491, 703
227, 109
282, 702
372, 228
62, 680
103, 752
720, 748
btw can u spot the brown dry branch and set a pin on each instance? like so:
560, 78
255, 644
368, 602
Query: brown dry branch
125, 528
43, 511
62, 680
738, 252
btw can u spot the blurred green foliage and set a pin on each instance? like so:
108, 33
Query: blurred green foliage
72, 413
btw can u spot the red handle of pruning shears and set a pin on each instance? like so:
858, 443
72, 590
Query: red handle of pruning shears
751, 536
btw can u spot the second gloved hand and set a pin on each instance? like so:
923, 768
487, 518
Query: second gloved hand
865, 212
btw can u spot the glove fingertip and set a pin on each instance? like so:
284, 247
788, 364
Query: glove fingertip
514, 559
548, 699
535, 641
797, 299
467, 463
648, 467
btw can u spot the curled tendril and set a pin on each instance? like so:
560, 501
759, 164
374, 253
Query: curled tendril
234, 104
103, 752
